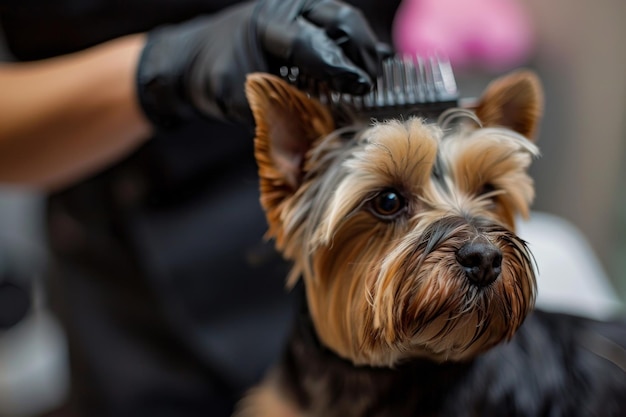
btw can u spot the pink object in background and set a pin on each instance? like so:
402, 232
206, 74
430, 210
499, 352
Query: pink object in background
493, 35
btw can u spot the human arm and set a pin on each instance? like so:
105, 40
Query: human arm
66, 117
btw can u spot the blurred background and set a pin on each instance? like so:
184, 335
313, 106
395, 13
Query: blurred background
577, 48
582, 60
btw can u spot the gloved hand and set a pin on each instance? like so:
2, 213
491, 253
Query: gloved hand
199, 67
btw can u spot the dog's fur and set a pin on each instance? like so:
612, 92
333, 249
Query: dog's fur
415, 284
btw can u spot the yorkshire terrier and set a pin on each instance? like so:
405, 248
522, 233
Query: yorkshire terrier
418, 296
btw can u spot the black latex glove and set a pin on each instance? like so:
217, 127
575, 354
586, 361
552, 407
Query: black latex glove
199, 67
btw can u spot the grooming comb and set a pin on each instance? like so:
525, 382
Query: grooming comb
408, 86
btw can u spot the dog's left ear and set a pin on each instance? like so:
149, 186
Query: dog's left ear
514, 101
287, 125
287, 122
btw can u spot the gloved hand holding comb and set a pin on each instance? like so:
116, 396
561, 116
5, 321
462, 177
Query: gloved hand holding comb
198, 68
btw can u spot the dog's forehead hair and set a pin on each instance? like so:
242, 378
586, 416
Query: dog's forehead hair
412, 151
400, 152
432, 168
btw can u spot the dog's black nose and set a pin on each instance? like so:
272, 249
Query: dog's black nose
481, 261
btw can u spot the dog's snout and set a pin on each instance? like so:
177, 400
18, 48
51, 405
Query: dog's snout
481, 261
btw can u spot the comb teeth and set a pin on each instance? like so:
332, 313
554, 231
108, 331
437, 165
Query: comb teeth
408, 86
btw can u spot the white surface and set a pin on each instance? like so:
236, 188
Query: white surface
570, 277
34, 375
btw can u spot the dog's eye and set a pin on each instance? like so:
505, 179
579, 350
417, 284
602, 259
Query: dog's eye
387, 204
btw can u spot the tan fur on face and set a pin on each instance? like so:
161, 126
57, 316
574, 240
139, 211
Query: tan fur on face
498, 158
393, 153
399, 301
382, 290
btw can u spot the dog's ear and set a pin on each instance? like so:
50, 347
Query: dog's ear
287, 122
514, 101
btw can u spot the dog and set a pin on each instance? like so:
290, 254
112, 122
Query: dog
417, 295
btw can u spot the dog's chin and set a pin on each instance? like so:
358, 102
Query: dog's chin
462, 342
448, 349
452, 337
441, 316
472, 321
440, 342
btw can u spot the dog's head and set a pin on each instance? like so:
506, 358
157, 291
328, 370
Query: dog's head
403, 231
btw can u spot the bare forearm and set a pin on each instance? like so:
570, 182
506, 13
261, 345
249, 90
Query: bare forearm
65, 118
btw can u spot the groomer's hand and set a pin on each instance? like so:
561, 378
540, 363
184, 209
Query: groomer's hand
199, 67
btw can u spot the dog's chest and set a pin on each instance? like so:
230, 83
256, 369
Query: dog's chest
320, 384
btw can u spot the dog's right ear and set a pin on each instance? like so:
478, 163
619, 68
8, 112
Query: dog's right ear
514, 101
287, 124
